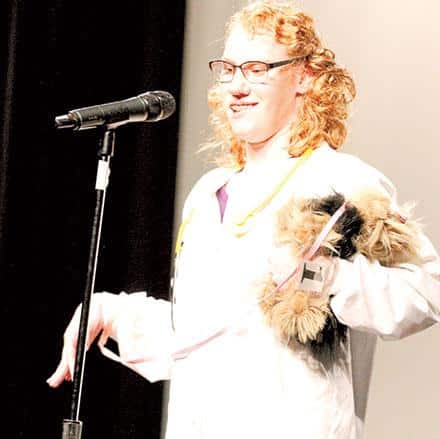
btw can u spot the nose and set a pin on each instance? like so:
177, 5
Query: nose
239, 86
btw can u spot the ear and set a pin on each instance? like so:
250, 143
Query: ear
305, 80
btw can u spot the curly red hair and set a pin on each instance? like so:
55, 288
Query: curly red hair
324, 108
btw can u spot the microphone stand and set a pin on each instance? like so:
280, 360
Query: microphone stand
72, 427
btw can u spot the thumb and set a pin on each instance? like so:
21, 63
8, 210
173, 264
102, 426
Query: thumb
61, 374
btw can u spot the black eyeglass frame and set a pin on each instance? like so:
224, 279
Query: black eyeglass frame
269, 66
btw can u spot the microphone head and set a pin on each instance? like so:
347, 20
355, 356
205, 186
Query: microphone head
65, 121
161, 104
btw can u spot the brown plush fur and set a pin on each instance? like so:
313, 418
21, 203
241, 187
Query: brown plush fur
299, 225
296, 316
385, 236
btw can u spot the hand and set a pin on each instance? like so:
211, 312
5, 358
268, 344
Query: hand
65, 369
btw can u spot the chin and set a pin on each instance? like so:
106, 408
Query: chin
249, 138
247, 133
252, 138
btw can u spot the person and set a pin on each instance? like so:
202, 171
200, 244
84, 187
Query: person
239, 367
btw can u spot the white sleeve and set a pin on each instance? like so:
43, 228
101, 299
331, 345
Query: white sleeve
142, 328
390, 302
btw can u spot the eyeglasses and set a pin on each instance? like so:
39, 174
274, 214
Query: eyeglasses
253, 71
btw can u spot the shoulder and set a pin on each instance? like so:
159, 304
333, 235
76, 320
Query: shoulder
205, 186
346, 173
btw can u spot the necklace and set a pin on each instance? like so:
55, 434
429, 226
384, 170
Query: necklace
242, 225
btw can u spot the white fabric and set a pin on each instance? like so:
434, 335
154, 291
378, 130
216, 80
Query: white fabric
246, 384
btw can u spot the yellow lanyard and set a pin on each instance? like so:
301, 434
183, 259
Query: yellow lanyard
179, 240
239, 227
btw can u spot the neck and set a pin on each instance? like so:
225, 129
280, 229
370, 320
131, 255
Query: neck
271, 150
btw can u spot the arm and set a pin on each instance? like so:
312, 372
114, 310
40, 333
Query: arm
140, 325
102, 309
390, 302
143, 330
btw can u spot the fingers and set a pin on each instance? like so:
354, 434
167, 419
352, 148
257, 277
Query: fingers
62, 373
65, 369
69, 353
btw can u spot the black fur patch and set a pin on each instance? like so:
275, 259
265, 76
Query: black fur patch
348, 225
328, 339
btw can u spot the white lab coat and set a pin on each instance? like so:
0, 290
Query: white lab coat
245, 383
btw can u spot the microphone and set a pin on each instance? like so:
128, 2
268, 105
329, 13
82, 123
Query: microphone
151, 106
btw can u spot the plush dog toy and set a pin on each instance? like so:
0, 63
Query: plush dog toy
370, 225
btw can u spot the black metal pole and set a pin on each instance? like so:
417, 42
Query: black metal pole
72, 427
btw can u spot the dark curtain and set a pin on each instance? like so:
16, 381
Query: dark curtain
57, 55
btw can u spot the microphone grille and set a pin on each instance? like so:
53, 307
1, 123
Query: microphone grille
167, 103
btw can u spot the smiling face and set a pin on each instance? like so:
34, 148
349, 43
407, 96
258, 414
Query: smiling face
257, 112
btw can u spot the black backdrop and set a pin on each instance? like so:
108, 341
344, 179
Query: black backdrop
57, 55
